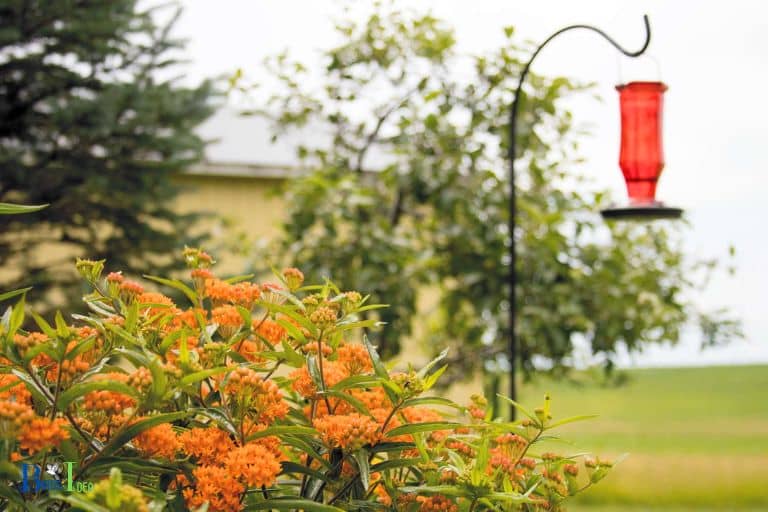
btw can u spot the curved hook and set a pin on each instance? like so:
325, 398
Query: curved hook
527, 67
512, 203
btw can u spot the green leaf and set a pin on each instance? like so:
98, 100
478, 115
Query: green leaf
295, 503
429, 426
62, 329
170, 339
17, 317
291, 313
342, 327
44, 326
521, 409
572, 419
354, 402
81, 347
15, 209
431, 400
281, 430
395, 464
203, 374
291, 467
237, 279
32, 386
159, 380
14, 293
292, 330
175, 283
361, 457
425, 371
448, 490
357, 381
378, 366
290, 355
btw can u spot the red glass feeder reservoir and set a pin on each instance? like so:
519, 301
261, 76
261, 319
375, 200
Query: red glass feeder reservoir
642, 156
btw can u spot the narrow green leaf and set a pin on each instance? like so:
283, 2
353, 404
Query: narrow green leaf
572, 419
17, 317
357, 381
431, 400
521, 409
361, 458
429, 426
237, 279
291, 467
425, 371
14, 293
203, 374
291, 313
15, 209
295, 503
395, 464
175, 283
44, 325
281, 430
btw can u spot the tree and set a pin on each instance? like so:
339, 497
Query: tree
88, 126
410, 191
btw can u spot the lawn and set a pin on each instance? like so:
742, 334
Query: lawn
697, 438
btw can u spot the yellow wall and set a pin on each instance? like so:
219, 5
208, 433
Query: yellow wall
241, 205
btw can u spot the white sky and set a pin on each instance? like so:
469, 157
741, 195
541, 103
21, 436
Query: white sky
713, 56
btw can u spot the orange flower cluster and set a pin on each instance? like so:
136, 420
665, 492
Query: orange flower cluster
228, 318
348, 431
260, 399
129, 290
154, 304
158, 441
206, 445
242, 294
225, 470
305, 386
25, 343
255, 464
293, 278
355, 359
270, 330
13, 417
436, 503
11, 388
40, 433
509, 447
109, 402
34, 433
323, 317
140, 379
217, 487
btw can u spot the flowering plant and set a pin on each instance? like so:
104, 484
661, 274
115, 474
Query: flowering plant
253, 397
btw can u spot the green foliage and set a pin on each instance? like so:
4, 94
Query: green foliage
91, 124
409, 192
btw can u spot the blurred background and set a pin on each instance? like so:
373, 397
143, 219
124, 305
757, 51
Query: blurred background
365, 143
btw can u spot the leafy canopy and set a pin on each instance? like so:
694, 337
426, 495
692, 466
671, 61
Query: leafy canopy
88, 126
408, 191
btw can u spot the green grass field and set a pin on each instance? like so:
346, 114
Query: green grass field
697, 438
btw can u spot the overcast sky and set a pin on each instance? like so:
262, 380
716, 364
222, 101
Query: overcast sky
712, 55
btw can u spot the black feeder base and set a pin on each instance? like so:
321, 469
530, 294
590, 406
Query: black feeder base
651, 211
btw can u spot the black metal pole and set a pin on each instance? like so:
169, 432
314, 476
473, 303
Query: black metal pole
512, 349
